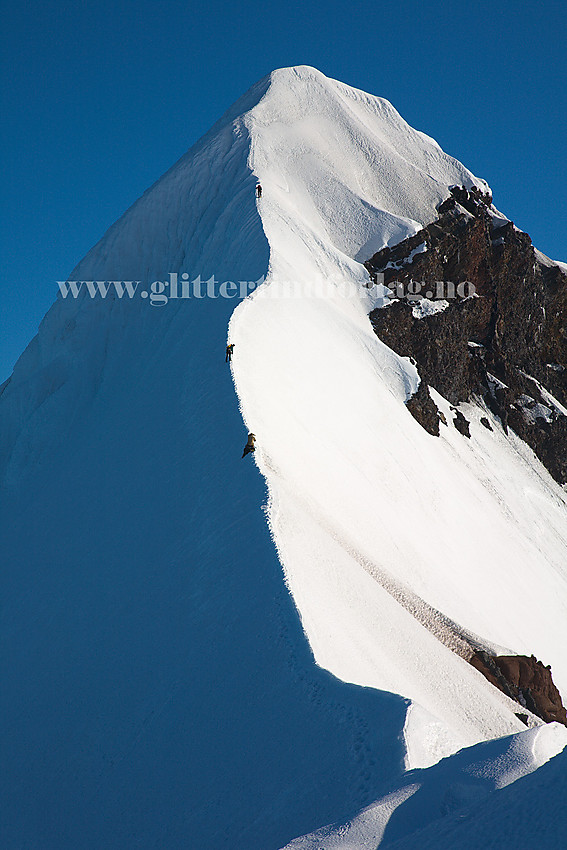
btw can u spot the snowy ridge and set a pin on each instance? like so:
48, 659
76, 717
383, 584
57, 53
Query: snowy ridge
424, 799
160, 689
361, 496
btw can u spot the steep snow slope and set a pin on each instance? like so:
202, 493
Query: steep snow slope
159, 690
366, 507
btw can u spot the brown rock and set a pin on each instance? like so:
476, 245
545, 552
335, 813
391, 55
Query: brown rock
525, 680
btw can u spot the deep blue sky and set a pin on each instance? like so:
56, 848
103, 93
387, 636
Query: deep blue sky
100, 98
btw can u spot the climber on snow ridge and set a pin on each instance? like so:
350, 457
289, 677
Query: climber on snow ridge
249, 447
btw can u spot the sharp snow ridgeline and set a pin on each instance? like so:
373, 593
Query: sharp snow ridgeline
182, 673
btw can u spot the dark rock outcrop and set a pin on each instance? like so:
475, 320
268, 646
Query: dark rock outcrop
423, 408
461, 423
525, 680
502, 335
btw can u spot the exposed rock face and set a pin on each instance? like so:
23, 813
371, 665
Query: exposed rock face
525, 680
423, 408
506, 343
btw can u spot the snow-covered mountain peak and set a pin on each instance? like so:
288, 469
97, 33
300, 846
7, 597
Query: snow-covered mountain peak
341, 170
346, 162
162, 688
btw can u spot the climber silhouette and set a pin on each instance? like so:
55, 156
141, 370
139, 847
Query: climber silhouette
249, 447
258, 191
229, 350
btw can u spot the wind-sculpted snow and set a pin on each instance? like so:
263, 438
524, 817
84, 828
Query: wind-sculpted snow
529, 813
160, 687
432, 801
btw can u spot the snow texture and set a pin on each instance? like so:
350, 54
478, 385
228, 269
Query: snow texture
530, 813
431, 799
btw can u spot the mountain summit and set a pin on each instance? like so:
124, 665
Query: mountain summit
181, 672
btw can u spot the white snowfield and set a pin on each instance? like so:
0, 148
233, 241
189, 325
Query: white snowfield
161, 689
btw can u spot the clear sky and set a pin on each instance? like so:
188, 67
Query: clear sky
100, 98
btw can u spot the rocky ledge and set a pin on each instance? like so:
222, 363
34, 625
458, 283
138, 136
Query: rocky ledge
484, 314
525, 680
